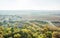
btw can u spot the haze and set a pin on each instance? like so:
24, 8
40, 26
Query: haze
29, 4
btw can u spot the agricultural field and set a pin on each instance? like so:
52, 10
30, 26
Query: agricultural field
28, 29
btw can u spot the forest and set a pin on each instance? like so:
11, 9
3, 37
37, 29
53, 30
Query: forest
28, 29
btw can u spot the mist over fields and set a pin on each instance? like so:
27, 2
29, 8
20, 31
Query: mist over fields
30, 12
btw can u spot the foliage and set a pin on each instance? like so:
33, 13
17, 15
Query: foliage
27, 31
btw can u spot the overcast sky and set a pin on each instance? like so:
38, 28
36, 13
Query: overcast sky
29, 4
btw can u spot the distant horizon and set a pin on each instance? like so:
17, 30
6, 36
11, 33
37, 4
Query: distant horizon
29, 12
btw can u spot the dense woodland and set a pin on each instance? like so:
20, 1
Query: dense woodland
30, 29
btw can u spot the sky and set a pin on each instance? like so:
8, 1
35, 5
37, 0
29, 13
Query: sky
29, 4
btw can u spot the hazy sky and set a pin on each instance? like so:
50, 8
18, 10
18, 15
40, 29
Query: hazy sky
29, 4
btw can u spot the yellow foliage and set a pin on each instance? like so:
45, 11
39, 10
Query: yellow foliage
8, 29
16, 30
17, 35
26, 30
